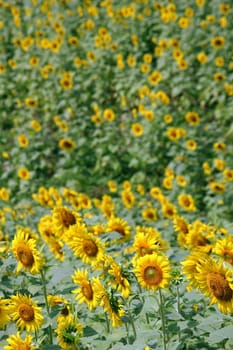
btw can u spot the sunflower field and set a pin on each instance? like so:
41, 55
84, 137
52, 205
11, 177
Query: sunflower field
116, 177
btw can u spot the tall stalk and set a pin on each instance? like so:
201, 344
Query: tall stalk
161, 310
43, 280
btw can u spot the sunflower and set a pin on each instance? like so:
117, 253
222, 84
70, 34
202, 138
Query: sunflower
17, 343
181, 226
218, 42
119, 280
48, 233
4, 312
25, 312
119, 225
191, 145
149, 214
155, 78
190, 267
85, 245
169, 210
147, 241
4, 194
69, 333
217, 187
137, 129
23, 173
67, 144
64, 218
215, 281
153, 271
86, 292
199, 236
110, 304
224, 249
128, 199
228, 174
109, 115
192, 118
23, 141
24, 249
186, 202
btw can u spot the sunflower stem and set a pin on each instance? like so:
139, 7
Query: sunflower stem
132, 323
107, 322
161, 309
178, 304
43, 280
143, 301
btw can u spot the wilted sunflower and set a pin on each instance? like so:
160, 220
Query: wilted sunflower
4, 312
110, 304
86, 292
17, 343
67, 144
215, 281
25, 312
153, 271
69, 333
24, 249
119, 225
119, 280
64, 218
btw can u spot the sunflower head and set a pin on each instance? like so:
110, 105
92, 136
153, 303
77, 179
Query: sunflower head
153, 271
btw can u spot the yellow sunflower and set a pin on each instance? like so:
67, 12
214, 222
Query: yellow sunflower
23, 141
186, 202
190, 267
128, 199
67, 144
200, 236
215, 281
224, 249
64, 218
119, 225
25, 312
153, 271
4, 312
69, 333
86, 246
149, 214
218, 42
48, 233
118, 280
192, 118
17, 343
110, 304
86, 292
24, 249
23, 173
